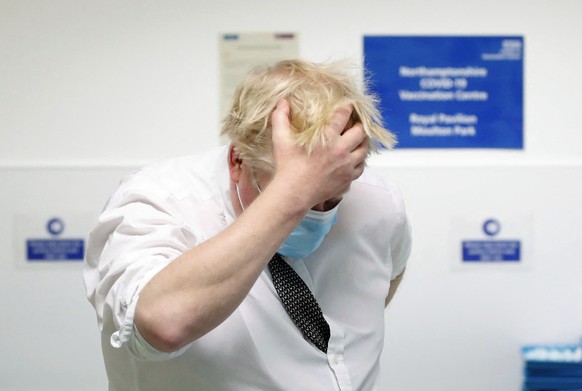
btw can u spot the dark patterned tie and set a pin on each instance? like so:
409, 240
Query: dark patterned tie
299, 303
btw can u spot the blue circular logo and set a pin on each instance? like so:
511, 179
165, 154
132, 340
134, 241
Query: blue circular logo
491, 227
55, 226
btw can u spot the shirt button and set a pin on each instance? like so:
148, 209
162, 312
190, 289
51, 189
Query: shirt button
336, 358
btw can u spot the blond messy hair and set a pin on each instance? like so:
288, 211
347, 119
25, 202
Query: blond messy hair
314, 92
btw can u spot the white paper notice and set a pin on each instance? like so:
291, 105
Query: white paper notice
239, 53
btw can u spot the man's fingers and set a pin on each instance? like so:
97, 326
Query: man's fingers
353, 137
339, 120
359, 170
358, 157
361, 152
280, 116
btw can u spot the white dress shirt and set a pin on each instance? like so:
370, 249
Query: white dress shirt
167, 208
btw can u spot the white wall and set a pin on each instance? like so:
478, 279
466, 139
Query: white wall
89, 90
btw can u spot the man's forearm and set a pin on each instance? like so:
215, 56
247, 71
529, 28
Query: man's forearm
202, 287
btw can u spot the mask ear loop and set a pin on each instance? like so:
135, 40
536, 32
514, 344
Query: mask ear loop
254, 180
238, 195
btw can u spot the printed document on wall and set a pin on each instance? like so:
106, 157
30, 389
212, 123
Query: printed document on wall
239, 53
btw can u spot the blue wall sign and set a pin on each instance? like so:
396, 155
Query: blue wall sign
491, 249
449, 92
55, 248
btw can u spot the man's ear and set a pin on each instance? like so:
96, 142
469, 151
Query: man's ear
234, 164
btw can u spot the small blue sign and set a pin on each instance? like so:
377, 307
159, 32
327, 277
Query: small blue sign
491, 251
449, 92
55, 249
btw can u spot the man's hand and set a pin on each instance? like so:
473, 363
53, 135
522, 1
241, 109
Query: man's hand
328, 171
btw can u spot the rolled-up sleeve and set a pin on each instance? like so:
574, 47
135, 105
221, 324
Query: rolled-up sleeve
135, 237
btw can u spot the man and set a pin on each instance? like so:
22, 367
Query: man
181, 267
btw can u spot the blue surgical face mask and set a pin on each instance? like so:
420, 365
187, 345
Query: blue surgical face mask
309, 234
